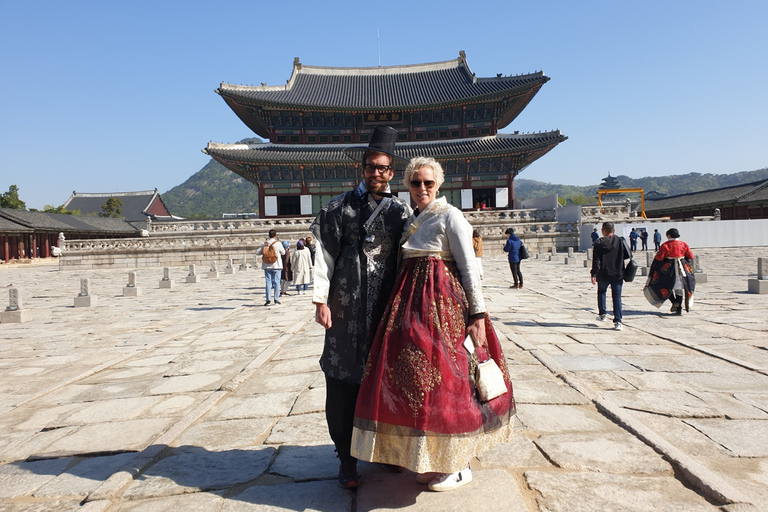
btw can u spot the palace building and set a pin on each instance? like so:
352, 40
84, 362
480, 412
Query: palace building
439, 109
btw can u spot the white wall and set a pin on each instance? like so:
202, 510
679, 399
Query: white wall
716, 233
539, 203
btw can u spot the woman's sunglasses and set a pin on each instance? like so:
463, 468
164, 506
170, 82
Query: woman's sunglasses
427, 183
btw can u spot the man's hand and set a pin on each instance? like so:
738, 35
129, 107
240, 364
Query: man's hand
323, 315
594, 280
476, 330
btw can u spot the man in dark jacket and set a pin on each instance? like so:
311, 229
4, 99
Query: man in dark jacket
608, 270
512, 248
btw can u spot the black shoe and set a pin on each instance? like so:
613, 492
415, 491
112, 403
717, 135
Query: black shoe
348, 477
277, 302
267, 303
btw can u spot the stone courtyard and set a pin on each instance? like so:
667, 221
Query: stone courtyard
197, 397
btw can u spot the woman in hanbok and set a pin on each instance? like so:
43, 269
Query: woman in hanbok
418, 407
301, 266
671, 276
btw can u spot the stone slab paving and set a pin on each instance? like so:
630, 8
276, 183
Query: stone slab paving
200, 398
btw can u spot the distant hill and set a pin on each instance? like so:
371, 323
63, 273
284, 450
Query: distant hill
215, 189
669, 185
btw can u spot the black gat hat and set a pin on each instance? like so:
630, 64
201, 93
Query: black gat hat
382, 141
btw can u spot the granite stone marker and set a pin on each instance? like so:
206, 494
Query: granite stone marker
244, 264
759, 285
15, 312
192, 277
229, 268
85, 298
213, 272
570, 252
166, 282
131, 290
700, 275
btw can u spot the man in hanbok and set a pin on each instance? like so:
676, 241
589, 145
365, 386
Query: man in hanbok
357, 237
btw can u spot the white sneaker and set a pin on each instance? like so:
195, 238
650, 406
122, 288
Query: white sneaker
451, 481
602, 318
617, 326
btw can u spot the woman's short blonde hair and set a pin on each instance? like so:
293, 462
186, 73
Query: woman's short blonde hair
424, 161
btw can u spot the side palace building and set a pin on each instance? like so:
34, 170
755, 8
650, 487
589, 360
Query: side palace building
439, 109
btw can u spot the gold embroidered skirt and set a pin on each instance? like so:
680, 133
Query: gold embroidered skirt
417, 407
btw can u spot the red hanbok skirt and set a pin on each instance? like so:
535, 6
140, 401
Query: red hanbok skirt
417, 406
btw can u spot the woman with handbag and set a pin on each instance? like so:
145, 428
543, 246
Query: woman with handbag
512, 248
418, 407
671, 276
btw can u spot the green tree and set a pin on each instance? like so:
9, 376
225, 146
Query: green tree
49, 208
11, 199
112, 208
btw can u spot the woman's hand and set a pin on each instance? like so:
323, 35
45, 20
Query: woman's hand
476, 330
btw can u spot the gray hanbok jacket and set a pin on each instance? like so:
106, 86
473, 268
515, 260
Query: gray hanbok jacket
355, 270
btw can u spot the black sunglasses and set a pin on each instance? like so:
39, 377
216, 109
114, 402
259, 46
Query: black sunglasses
427, 183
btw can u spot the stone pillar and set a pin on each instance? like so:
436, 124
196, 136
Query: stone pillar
85, 298
229, 269
760, 285
570, 252
15, 312
166, 282
244, 264
213, 272
131, 290
700, 275
192, 277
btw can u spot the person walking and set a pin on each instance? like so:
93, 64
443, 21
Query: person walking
595, 235
656, 239
671, 275
608, 255
272, 263
356, 238
301, 264
418, 407
512, 248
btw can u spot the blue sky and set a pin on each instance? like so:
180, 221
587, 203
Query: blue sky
104, 96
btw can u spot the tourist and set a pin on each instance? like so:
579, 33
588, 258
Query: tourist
512, 248
633, 240
417, 406
286, 274
301, 265
644, 239
608, 255
356, 236
595, 235
272, 264
671, 275
656, 238
477, 245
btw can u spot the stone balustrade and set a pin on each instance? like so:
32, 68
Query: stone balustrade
181, 243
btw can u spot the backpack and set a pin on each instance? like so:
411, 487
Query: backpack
269, 254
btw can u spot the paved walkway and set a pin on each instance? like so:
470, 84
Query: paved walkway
200, 398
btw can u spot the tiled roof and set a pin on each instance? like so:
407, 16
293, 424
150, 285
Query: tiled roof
8, 226
381, 88
747, 192
134, 203
66, 223
500, 144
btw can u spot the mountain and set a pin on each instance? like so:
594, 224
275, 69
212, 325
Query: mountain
215, 189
